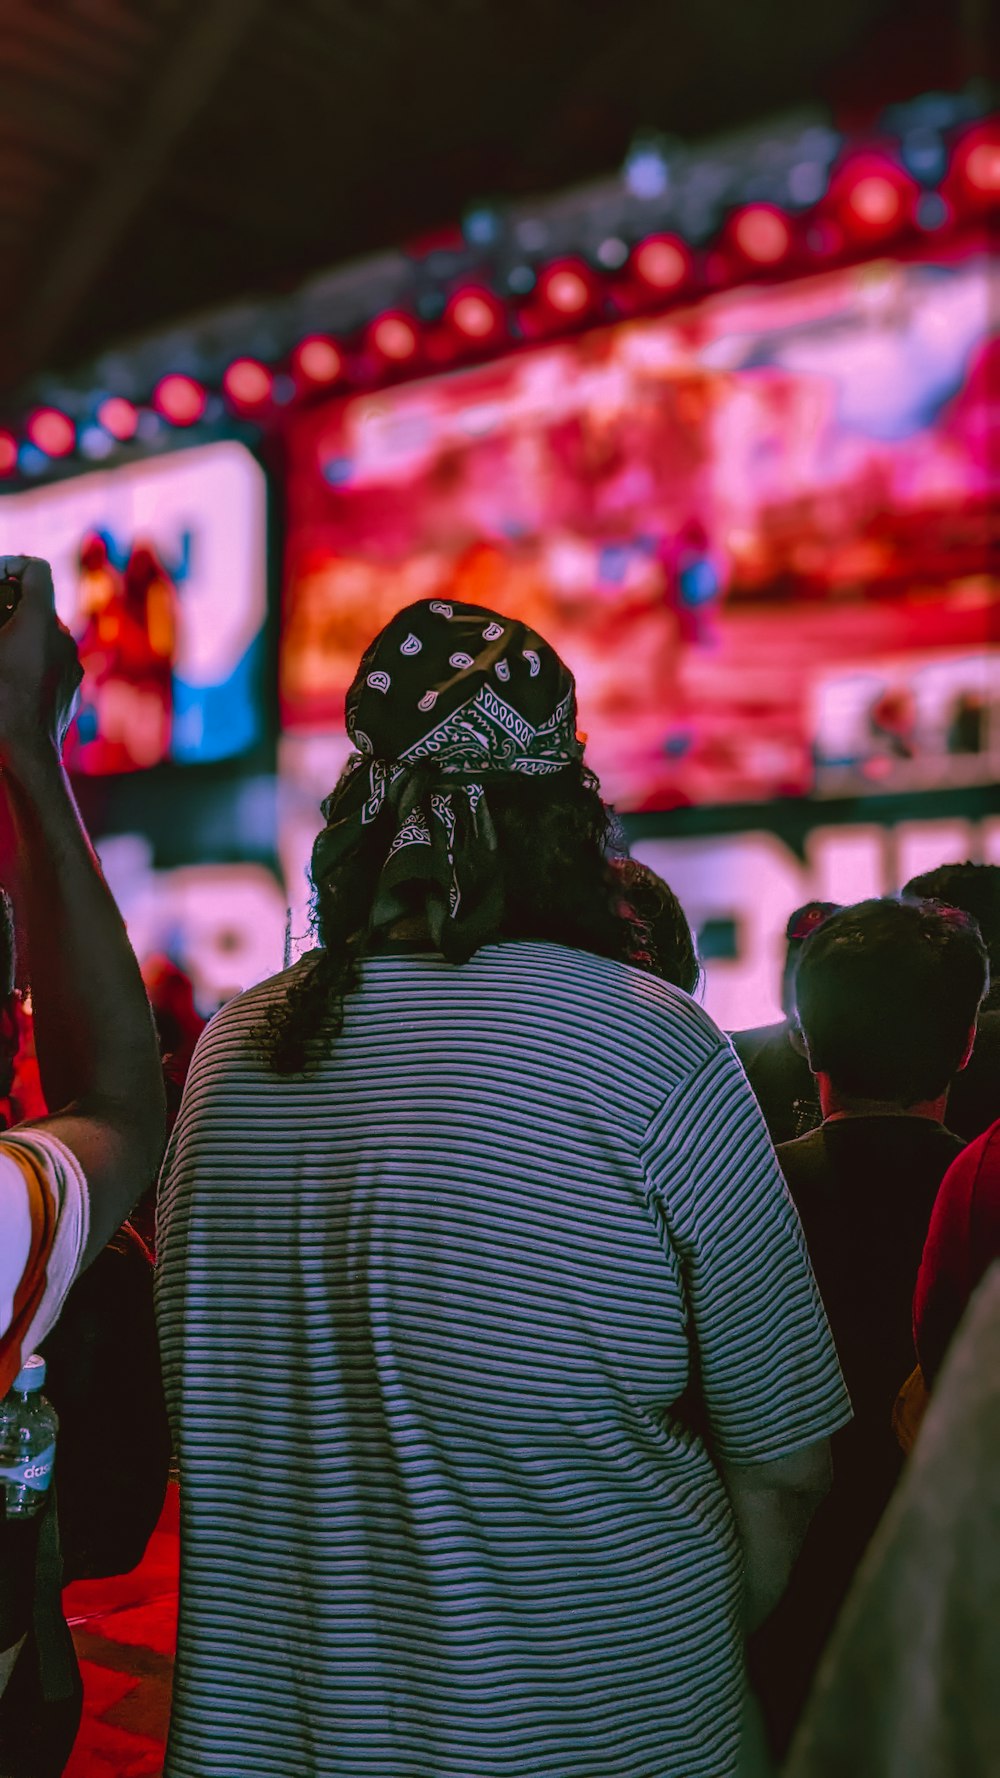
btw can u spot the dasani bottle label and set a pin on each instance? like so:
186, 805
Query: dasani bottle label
35, 1473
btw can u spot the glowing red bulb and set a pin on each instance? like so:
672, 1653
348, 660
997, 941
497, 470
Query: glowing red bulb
318, 360
762, 234
394, 338
180, 400
8, 453
982, 167
875, 201
247, 382
660, 262
53, 432
118, 416
474, 315
566, 291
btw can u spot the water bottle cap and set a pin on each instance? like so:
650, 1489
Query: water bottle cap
31, 1376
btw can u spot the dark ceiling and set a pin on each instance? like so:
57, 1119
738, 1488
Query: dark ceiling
161, 156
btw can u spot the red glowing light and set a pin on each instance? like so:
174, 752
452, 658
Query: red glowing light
762, 234
53, 432
875, 201
982, 167
180, 400
661, 262
566, 290
395, 338
873, 197
8, 453
318, 360
118, 416
474, 315
247, 382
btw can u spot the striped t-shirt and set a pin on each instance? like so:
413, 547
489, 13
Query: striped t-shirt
445, 1328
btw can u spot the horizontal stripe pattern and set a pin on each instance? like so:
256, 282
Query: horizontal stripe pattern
426, 1318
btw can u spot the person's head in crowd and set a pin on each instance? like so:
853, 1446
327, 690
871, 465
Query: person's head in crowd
667, 937
465, 817
887, 994
976, 889
798, 928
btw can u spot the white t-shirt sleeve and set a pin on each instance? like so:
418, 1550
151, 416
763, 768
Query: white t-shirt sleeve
66, 1181
15, 1235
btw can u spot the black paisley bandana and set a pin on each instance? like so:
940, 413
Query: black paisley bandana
447, 699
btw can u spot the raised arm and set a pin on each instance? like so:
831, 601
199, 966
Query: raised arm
96, 1043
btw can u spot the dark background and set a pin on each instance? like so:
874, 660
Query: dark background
158, 157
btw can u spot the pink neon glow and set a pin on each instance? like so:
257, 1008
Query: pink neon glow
751, 525
8, 453
53, 432
180, 400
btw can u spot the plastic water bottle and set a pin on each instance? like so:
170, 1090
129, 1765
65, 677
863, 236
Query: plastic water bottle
28, 1428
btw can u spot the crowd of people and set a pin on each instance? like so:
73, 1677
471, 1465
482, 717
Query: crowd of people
559, 1389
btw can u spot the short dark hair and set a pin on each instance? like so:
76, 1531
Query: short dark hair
886, 993
976, 889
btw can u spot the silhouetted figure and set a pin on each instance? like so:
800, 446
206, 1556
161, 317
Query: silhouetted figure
974, 1100
886, 994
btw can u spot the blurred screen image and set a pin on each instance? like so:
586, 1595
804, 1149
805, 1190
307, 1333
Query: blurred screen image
160, 573
757, 530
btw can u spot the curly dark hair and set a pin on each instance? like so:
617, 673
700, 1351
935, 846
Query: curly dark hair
557, 884
668, 943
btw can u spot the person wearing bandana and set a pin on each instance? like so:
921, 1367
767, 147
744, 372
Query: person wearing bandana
498, 1375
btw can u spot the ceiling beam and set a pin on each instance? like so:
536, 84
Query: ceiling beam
193, 65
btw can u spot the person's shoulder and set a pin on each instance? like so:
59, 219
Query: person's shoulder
608, 986
239, 1019
947, 1142
805, 1157
980, 1160
986, 1147
801, 1147
751, 1044
46, 1156
587, 1003
988, 1030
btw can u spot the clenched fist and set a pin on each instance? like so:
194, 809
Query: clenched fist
40, 669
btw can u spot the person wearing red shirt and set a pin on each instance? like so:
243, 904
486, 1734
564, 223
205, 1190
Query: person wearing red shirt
963, 1240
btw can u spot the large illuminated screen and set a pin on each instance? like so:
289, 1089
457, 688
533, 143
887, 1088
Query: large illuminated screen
755, 528
160, 572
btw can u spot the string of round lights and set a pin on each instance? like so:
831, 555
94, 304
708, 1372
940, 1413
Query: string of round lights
866, 200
